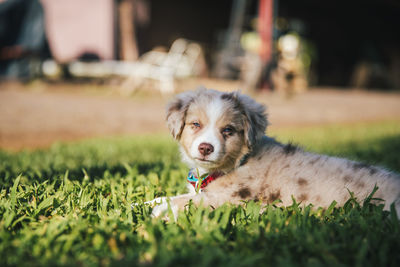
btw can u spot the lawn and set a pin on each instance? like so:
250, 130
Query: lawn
71, 205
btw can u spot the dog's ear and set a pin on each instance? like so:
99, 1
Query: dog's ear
176, 113
255, 119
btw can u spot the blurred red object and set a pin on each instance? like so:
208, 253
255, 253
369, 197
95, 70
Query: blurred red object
265, 27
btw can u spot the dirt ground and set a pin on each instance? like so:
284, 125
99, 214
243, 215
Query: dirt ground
33, 116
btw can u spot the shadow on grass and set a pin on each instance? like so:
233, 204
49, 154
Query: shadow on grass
43, 165
384, 152
95, 172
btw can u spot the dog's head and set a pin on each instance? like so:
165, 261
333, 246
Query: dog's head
215, 129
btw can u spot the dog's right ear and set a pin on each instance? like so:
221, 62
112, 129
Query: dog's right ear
176, 113
255, 121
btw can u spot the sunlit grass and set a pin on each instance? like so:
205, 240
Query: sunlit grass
375, 142
71, 205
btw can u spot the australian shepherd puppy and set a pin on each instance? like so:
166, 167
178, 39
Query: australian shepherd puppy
222, 139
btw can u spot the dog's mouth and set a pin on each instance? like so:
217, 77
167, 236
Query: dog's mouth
204, 160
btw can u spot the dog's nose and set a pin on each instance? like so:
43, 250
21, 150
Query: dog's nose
206, 149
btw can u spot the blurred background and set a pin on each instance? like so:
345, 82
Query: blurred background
83, 68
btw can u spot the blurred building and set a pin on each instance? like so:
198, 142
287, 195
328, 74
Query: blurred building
340, 43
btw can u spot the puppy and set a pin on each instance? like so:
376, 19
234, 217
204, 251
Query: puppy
221, 137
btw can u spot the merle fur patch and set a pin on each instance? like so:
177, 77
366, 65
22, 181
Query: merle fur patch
229, 97
242, 193
290, 149
359, 166
302, 182
302, 197
274, 196
346, 179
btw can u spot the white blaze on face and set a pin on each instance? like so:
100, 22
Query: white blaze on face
210, 132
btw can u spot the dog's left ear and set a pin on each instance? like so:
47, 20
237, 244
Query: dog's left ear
176, 113
255, 122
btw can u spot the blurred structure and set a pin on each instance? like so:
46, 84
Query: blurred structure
184, 59
244, 54
281, 45
226, 60
357, 42
77, 29
155, 69
290, 75
22, 38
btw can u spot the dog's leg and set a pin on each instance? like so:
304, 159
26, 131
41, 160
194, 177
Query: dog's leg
178, 203
160, 200
221, 191
163, 203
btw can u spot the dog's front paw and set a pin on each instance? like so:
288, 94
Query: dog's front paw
162, 210
158, 200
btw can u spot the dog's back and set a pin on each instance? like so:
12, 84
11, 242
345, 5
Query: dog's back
276, 171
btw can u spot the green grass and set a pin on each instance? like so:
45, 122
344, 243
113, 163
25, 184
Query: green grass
71, 205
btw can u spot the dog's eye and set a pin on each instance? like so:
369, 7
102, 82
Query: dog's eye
195, 125
227, 131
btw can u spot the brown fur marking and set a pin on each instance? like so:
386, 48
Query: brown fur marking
360, 184
346, 179
302, 197
274, 196
302, 182
242, 193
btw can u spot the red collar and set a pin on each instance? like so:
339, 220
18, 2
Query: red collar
194, 180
